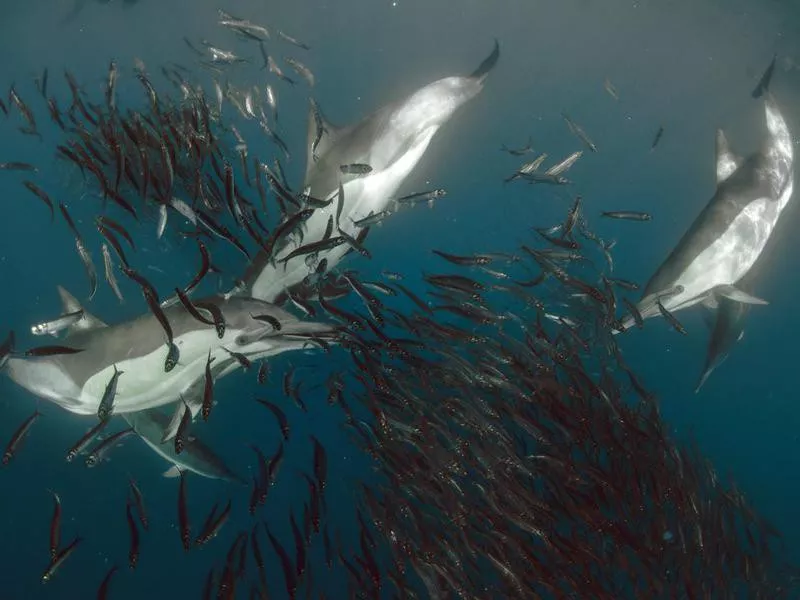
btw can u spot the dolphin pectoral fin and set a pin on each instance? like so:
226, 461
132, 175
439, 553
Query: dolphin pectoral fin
488, 64
70, 304
173, 472
733, 293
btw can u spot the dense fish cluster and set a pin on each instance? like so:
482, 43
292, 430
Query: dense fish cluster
516, 453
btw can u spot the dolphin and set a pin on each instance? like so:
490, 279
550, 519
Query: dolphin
196, 456
729, 235
77, 381
727, 327
391, 141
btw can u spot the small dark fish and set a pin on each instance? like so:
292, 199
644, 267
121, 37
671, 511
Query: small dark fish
191, 308
763, 84
300, 547
263, 373
85, 440
183, 515
676, 325
301, 70
637, 316
97, 454
418, 197
544, 178
86, 258
657, 139
138, 501
208, 392
17, 166
111, 224
290, 577
106, 407
212, 526
39, 193
356, 169
102, 591
59, 559
275, 323
42, 351
627, 215
578, 131
111, 86
216, 315
173, 356
519, 151
320, 463
279, 415
314, 248
133, 551
624, 284
183, 428
240, 358
58, 324
55, 526
293, 41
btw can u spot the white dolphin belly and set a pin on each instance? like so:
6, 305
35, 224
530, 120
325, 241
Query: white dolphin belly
363, 196
726, 260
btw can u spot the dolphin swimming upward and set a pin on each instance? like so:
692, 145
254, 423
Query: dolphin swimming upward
77, 382
731, 232
391, 141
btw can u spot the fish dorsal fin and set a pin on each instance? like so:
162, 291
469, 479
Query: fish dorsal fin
330, 134
70, 304
727, 161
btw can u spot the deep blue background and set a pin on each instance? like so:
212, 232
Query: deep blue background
686, 65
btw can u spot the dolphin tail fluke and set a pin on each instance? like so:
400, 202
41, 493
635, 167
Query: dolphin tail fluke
488, 64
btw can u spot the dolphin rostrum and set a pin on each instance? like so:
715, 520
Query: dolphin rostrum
391, 141
196, 456
731, 232
77, 381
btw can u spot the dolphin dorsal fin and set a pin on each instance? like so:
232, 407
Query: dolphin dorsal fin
330, 133
727, 161
70, 304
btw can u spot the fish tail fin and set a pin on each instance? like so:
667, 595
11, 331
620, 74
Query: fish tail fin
488, 64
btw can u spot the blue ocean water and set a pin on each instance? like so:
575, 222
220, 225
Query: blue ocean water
686, 66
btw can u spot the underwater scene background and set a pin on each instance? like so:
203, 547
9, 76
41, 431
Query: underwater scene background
515, 381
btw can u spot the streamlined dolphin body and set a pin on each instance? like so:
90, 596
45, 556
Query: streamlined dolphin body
77, 381
727, 327
195, 457
391, 141
731, 232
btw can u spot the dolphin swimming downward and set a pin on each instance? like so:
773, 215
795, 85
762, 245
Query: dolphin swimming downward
391, 141
729, 235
